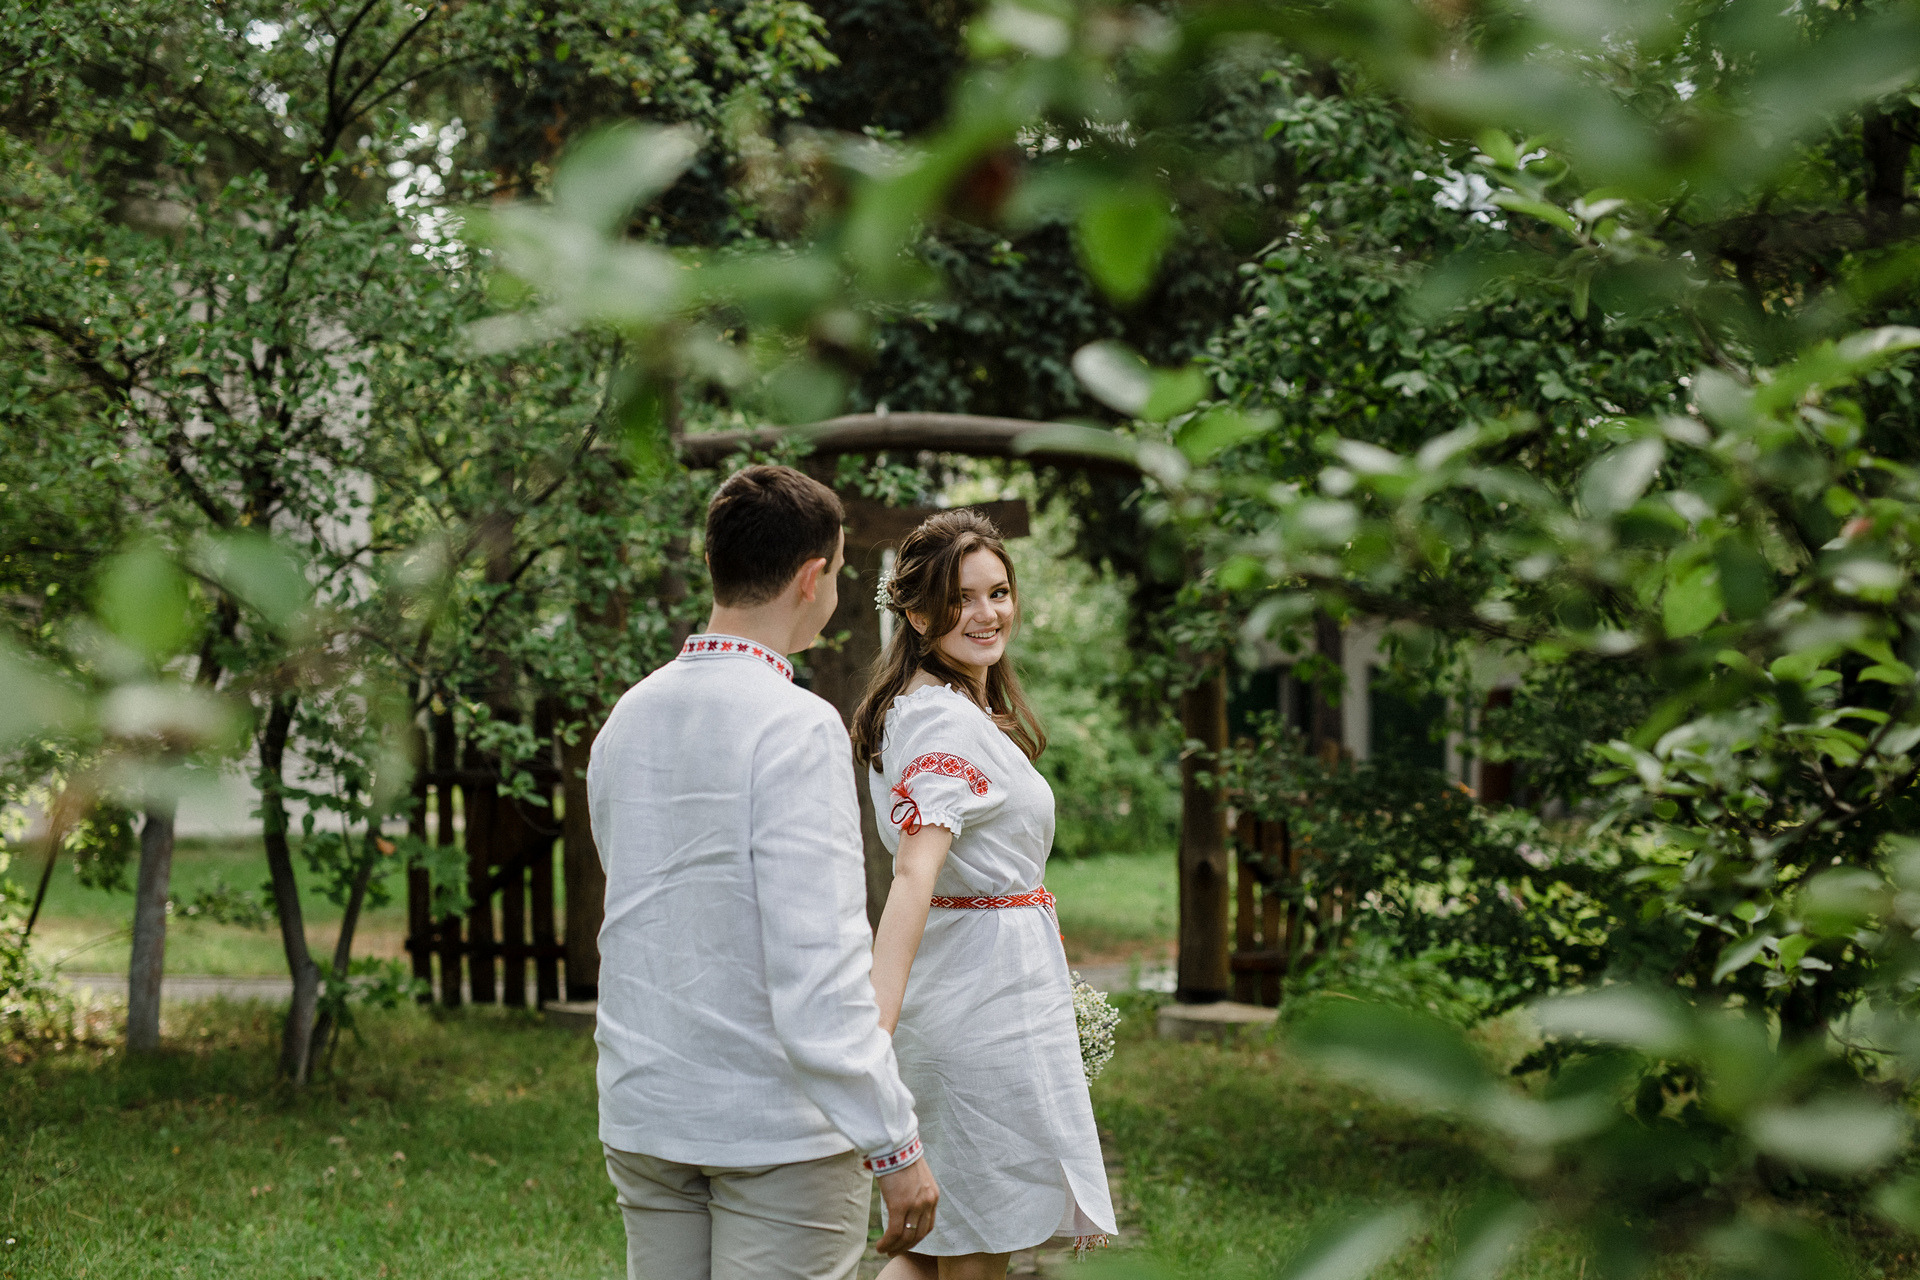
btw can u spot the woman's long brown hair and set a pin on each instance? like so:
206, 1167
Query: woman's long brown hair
926, 581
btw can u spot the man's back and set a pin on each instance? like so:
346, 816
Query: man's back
736, 1019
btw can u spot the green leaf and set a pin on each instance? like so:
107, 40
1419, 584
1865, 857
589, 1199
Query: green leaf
1123, 230
38, 702
1207, 434
142, 600
607, 175
1174, 392
1692, 602
1401, 1054
1540, 209
1899, 1203
258, 572
1116, 376
1653, 1023
1356, 1251
805, 391
1737, 955
1619, 476
1499, 148
1840, 900
1834, 1135
1746, 579
1488, 1236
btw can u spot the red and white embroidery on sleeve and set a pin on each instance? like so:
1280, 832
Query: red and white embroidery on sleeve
906, 814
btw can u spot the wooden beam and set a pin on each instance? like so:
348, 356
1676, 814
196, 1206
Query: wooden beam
978, 437
874, 524
1203, 975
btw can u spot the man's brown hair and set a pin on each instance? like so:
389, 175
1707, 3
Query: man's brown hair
763, 524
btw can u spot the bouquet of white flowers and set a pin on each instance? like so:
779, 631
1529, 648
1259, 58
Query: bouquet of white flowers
1097, 1019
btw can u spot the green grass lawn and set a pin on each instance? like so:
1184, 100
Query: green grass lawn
85, 930
1116, 906
462, 1146
1112, 907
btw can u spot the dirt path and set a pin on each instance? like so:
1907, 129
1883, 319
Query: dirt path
186, 986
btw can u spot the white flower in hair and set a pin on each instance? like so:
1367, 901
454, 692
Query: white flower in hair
883, 594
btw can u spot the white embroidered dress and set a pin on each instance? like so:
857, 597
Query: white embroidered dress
987, 1042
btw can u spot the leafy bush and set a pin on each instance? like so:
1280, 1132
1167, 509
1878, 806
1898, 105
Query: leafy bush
1114, 782
1429, 878
32, 1007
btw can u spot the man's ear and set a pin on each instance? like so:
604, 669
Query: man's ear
809, 576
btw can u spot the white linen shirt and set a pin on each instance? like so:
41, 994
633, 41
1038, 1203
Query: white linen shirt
737, 1022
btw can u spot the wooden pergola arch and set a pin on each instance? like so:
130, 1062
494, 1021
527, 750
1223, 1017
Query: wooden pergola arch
1205, 967
510, 844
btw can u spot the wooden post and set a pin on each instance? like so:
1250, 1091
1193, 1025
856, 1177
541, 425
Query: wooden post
1272, 933
1246, 939
483, 805
1203, 973
419, 891
511, 839
446, 761
840, 676
541, 832
584, 880
1328, 728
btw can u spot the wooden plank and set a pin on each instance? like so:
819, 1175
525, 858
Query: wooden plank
445, 747
866, 433
1245, 932
1202, 974
482, 806
546, 968
512, 839
419, 892
584, 878
874, 524
1273, 847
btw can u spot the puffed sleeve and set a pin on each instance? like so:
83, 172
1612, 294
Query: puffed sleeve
936, 741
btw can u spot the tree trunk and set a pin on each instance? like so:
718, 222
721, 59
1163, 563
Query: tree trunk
150, 929
296, 1039
1205, 878
323, 1025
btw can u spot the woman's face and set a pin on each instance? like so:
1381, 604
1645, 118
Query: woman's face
979, 638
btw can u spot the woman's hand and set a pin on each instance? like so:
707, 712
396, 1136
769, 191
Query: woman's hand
911, 1198
897, 940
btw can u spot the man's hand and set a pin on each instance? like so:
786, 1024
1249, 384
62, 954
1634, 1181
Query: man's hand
911, 1195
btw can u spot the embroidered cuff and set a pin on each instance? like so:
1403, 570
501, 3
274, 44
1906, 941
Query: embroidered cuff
894, 1161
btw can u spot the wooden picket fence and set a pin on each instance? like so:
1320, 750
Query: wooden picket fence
1275, 932
511, 926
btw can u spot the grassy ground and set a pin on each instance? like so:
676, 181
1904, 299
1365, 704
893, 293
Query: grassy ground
86, 929
1114, 907
462, 1146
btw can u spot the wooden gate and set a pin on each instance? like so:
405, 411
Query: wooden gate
510, 842
1276, 930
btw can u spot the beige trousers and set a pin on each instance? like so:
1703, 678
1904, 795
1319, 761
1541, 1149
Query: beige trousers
803, 1221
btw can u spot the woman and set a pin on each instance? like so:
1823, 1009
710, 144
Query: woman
984, 1027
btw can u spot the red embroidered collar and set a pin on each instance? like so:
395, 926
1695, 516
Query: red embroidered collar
716, 645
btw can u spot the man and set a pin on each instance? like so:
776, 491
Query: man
746, 1088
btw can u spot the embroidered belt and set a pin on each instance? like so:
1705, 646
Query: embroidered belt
1035, 898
